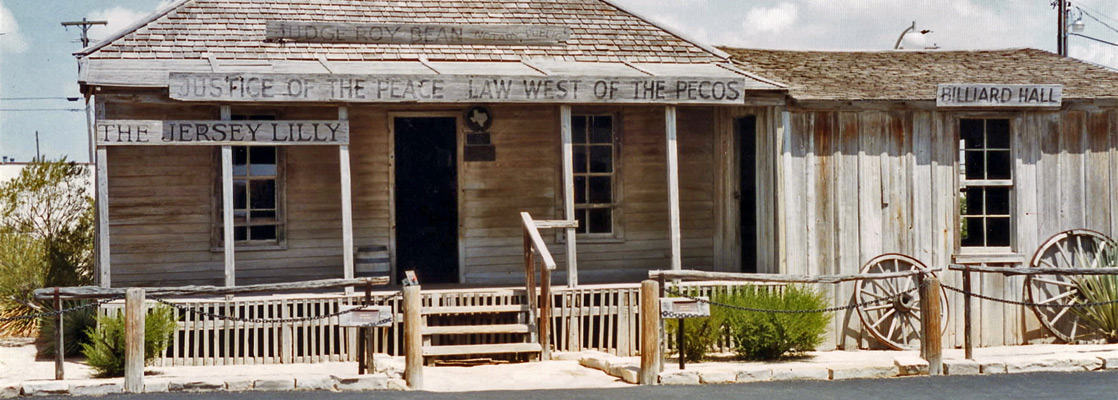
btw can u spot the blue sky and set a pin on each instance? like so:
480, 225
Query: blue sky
36, 60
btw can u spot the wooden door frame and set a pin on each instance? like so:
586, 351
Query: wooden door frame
728, 238
459, 137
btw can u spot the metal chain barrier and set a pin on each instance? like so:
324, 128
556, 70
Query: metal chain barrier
822, 310
191, 310
1026, 303
62, 311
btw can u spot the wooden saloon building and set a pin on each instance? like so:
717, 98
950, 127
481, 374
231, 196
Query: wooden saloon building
258, 141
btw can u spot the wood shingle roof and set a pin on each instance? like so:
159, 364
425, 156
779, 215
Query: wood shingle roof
914, 75
235, 29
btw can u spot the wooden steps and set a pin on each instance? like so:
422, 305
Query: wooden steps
502, 348
472, 329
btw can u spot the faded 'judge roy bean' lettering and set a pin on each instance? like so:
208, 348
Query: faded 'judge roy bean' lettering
454, 88
148, 132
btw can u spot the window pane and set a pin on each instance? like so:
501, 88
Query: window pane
578, 129
601, 220
601, 191
970, 132
240, 233
972, 201
262, 161
974, 164
579, 157
997, 134
972, 233
263, 194
264, 232
997, 232
238, 217
601, 159
240, 198
580, 190
240, 155
580, 216
601, 129
999, 165
263, 216
997, 200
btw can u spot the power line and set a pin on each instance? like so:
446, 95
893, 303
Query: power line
1092, 16
41, 98
42, 109
1098, 12
1095, 39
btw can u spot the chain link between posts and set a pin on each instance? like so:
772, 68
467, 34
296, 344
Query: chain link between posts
224, 317
1028, 303
62, 311
821, 310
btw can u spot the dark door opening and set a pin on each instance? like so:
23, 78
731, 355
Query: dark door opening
427, 198
746, 132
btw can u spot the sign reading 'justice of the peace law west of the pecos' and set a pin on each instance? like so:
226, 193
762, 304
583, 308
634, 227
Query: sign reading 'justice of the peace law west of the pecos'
213, 133
453, 89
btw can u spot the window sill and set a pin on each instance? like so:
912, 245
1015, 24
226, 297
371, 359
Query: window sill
972, 257
251, 247
598, 239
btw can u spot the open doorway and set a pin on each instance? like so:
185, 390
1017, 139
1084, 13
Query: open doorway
426, 190
745, 128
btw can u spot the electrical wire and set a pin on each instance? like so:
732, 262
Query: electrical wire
75, 98
1092, 16
1100, 13
42, 109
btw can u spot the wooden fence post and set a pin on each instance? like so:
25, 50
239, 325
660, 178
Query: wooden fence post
931, 347
134, 340
413, 338
650, 333
968, 345
545, 314
59, 341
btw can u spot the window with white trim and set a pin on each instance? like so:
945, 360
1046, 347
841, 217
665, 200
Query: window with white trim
258, 181
986, 183
595, 174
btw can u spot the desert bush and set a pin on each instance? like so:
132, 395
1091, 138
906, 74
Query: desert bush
22, 269
769, 336
105, 350
699, 334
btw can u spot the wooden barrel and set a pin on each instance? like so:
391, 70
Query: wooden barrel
371, 261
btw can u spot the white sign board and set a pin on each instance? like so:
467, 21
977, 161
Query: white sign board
354, 88
995, 95
214, 133
342, 32
367, 316
682, 307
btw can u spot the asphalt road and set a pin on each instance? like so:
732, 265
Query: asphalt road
1048, 386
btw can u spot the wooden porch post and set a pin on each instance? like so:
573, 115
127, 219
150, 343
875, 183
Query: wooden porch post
227, 205
104, 267
673, 187
347, 205
569, 193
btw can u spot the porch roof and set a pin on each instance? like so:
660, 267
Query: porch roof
914, 75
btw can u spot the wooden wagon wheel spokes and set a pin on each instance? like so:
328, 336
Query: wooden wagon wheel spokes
895, 320
1078, 248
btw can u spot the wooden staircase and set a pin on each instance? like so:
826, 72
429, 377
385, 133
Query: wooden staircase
503, 329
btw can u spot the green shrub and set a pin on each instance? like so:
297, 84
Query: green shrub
769, 336
76, 326
22, 269
105, 352
699, 334
1102, 319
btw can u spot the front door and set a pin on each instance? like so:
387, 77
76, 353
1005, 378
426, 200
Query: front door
746, 130
426, 198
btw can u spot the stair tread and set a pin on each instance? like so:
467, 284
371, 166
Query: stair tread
474, 309
481, 349
468, 329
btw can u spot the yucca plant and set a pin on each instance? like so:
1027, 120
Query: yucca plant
1100, 319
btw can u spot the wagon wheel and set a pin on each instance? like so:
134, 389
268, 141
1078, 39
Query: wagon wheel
1077, 248
895, 319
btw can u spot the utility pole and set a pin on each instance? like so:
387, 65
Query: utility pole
85, 25
1062, 27
38, 158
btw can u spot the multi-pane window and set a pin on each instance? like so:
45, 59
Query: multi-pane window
986, 178
257, 205
594, 172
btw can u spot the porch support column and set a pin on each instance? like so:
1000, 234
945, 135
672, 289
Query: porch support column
673, 186
569, 193
104, 267
227, 205
347, 205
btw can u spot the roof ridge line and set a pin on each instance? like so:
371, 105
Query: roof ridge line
686, 38
157, 14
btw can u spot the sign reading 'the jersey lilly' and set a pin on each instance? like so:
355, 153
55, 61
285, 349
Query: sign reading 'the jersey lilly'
454, 88
149, 132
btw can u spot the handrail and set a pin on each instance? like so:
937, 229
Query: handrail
1034, 271
540, 319
95, 292
732, 276
537, 242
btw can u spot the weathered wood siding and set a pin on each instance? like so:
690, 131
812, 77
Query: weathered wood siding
902, 164
162, 198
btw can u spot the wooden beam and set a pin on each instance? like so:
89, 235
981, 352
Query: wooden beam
931, 345
347, 205
569, 193
227, 206
133, 340
1034, 271
650, 333
555, 223
104, 260
413, 337
673, 187
774, 278
537, 241
95, 292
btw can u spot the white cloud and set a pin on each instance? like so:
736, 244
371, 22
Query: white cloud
1097, 53
11, 39
771, 20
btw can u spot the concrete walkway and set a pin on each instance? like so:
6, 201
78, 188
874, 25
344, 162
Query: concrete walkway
20, 374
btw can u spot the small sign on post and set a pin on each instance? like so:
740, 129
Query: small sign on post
682, 307
367, 316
